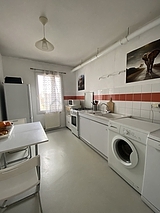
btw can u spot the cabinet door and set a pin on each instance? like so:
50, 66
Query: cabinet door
99, 137
68, 121
85, 129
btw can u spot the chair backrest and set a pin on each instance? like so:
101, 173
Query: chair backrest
20, 168
19, 121
19, 178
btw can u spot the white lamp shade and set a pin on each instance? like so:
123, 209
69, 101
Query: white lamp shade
44, 45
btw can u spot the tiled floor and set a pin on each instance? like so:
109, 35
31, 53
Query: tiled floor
75, 179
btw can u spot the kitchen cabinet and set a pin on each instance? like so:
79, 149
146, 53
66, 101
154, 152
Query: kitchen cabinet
68, 121
84, 129
94, 133
99, 137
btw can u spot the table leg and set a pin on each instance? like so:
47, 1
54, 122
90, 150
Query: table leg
36, 149
4, 160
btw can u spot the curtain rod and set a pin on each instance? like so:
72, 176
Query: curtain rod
47, 70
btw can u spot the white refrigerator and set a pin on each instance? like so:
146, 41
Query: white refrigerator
18, 101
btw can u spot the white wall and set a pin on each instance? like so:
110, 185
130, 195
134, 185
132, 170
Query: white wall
21, 67
113, 62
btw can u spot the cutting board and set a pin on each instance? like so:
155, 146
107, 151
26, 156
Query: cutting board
110, 105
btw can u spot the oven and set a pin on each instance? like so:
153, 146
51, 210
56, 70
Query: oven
74, 122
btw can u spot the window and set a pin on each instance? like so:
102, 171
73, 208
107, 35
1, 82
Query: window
49, 93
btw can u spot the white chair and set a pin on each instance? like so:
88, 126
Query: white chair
20, 178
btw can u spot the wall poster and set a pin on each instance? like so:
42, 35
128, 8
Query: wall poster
81, 82
144, 63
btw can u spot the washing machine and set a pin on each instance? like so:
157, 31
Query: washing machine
127, 147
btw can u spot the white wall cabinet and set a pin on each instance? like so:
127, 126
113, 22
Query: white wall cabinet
95, 134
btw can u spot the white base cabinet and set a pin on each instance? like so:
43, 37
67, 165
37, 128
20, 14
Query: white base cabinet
99, 137
84, 129
95, 134
68, 121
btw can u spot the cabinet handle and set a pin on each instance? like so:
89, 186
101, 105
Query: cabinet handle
113, 127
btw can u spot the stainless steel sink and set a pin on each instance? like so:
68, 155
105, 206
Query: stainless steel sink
107, 115
113, 115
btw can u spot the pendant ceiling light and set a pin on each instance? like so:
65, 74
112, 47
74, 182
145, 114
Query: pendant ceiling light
43, 44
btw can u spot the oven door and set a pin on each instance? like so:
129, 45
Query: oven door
74, 123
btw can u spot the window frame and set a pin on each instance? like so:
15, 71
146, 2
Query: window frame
37, 93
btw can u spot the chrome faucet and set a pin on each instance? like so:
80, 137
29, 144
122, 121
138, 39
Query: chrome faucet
107, 111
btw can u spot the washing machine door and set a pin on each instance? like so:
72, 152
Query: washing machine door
124, 151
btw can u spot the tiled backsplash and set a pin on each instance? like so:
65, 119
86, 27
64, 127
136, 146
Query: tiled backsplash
132, 100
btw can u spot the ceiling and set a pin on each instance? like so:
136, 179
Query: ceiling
76, 28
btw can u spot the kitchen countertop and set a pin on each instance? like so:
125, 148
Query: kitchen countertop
138, 125
98, 116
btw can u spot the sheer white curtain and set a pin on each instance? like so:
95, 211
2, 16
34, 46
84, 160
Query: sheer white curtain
50, 92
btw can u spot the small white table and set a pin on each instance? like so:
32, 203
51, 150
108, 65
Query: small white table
22, 135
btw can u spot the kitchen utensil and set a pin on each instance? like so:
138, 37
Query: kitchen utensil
110, 105
94, 107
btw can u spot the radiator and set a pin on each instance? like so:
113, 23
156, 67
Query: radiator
52, 120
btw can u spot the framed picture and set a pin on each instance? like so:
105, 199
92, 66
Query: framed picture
81, 82
144, 63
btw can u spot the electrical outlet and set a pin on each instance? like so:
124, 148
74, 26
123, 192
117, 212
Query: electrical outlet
155, 105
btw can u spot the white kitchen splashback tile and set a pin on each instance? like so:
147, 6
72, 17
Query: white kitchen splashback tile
129, 104
155, 87
111, 91
137, 89
146, 88
104, 91
129, 89
100, 92
129, 111
145, 114
116, 105
136, 113
146, 106
116, 90
122, 104
136, 105
122, 90
155, 116
122, 110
